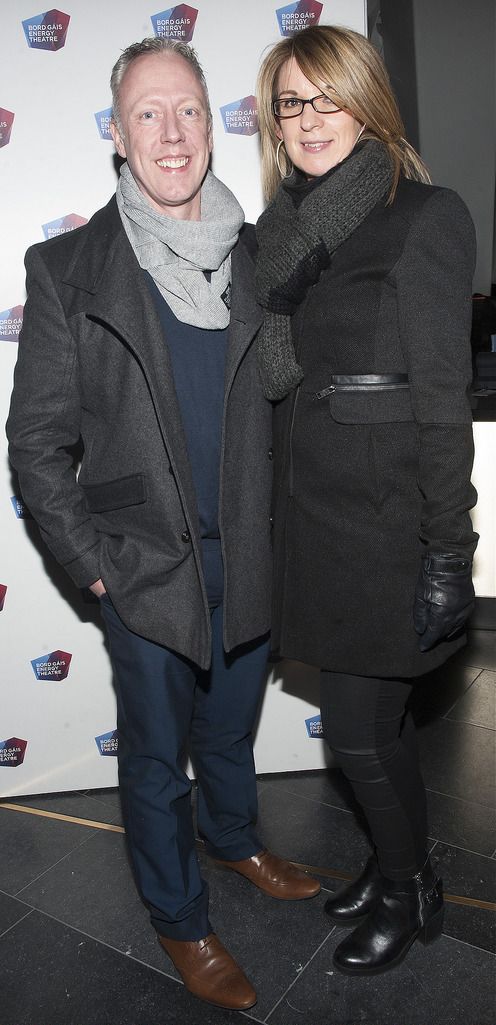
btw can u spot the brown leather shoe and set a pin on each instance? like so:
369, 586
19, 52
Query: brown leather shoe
275, 876
210, 973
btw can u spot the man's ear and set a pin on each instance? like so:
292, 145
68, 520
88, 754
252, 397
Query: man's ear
118, 140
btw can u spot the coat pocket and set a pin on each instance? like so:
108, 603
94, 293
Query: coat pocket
371, 406
115, 494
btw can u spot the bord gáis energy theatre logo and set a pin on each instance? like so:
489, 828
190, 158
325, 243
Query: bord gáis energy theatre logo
314, 726
12, 752
241, 116
21, 510
103, 119
53, 667
11, 323
108, 743
295, 17
6, 122
176, 23
62, 225
47, 31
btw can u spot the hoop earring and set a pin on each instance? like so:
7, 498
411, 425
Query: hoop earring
279, 168
359, 134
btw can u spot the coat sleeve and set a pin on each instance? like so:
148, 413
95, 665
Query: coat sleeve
434, 286
43, 425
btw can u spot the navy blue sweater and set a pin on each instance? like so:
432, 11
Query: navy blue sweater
198, 361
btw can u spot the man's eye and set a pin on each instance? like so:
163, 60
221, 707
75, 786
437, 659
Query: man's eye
148, 115
190, 112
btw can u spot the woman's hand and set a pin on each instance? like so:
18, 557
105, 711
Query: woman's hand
444, 598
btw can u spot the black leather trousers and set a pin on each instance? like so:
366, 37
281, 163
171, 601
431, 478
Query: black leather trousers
373, 740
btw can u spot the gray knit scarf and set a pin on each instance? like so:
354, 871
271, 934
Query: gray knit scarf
296, 244
178, 253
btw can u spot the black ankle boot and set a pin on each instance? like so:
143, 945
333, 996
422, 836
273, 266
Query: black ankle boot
408, 910
356, 899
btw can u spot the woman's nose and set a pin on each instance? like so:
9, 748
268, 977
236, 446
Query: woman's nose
309, 118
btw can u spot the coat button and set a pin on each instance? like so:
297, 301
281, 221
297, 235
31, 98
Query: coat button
186, 536
270, 453
271, 521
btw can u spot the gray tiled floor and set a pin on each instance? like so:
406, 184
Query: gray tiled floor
478, 705
76, 947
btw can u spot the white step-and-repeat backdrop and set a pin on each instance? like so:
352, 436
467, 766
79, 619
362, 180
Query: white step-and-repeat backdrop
57, 708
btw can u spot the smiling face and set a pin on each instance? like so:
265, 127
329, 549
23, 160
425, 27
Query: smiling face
314, 142
164, 133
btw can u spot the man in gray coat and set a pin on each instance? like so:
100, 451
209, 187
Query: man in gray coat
138, 342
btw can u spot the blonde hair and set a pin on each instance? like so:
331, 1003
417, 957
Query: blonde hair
354, 76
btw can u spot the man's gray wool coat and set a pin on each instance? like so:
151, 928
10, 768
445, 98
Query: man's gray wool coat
93, 366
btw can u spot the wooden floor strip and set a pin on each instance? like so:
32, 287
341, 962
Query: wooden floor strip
62, 818
328, 873
452, 898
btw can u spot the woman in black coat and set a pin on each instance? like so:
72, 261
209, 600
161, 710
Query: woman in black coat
365, 276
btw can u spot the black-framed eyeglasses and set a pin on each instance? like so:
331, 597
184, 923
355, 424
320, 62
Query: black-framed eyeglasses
293, 106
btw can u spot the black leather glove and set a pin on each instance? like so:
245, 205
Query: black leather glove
444, 598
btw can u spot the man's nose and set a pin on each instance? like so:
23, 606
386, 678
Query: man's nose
171, 130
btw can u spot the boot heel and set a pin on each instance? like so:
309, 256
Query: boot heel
433, 929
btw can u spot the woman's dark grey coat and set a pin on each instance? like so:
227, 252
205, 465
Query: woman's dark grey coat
93, 365
368, 480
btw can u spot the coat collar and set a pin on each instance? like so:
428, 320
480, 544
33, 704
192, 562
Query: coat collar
104, 254
110, 287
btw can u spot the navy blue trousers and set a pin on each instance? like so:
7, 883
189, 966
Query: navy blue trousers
167, 706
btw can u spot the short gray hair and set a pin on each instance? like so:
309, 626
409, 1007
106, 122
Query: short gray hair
160, 45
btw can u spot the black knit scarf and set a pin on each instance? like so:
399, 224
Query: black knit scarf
296, 244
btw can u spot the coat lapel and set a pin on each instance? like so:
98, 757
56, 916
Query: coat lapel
246, 316
112, 291
109, 288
